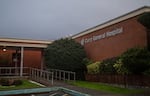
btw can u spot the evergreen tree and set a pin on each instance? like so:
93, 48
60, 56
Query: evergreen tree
66, 54
136, 60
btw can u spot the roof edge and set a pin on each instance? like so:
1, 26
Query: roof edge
25, 41
114, 21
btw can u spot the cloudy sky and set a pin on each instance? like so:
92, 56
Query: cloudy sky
54, 19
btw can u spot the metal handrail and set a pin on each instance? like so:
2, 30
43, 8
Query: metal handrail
40, 75
12, 71
37, 74
62, 74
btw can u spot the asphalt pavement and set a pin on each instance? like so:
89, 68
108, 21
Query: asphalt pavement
94, 92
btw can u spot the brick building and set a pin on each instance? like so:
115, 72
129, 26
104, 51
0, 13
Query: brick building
22, 53
114, 37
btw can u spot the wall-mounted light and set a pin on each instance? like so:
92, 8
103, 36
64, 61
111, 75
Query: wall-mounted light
4, 49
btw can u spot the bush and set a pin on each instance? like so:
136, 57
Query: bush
18, 82
87, 61
136, 60
4, 82
10, 82
120, 67
147, 72
93, 68
106, 66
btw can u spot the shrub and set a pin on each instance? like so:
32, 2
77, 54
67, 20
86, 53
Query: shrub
136, 60
147, 72
9, 82
106, 66
93, 68
120, 67
87, 61
18, 82
4, 82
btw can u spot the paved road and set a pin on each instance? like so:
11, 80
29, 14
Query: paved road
88, 91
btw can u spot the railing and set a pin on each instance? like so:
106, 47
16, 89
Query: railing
37, 74
41, 75
63, 75
13, 71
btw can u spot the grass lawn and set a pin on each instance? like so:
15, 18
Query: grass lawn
26, 85
105, 88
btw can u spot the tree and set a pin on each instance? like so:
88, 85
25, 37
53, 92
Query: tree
136, 60
144, 19
66, 54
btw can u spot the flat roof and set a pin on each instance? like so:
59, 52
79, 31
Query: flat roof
114, 21
24, 42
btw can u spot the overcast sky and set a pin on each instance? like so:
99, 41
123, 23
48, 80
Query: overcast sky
54, 19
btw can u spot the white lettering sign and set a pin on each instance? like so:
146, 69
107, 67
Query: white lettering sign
102, 36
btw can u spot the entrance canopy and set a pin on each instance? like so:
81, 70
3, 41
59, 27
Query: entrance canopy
23, 43
22, 53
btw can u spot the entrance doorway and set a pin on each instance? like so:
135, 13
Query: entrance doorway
11, 57
16, 58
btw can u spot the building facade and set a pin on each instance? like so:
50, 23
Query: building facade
114, 37
22, 53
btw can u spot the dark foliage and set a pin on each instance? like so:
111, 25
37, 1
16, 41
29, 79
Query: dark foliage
144, 19
106, 66
4, 82
66, 54
136, 60
17, 82
10, 82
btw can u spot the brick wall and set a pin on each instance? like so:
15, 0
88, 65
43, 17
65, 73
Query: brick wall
133, 35
32, 57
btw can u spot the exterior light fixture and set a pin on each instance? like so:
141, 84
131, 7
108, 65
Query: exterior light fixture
4, 49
